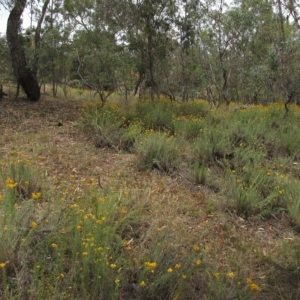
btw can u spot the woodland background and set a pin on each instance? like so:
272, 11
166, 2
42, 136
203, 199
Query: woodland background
244, 51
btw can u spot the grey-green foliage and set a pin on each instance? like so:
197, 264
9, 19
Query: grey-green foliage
241, 51
5, 70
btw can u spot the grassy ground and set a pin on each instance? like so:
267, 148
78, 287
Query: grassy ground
86, 222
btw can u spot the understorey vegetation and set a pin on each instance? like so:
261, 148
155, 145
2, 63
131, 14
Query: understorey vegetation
146, 200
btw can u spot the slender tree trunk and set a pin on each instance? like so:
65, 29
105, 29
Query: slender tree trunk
19, 65
37, 39
150, 59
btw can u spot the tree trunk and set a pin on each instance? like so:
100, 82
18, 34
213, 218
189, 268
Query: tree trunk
19, 65
37, 38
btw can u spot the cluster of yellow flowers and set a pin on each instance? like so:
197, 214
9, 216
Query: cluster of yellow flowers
10, 183
254, 287
150, 266
36, 195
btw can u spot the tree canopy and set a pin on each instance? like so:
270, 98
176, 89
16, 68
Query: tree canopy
219, 50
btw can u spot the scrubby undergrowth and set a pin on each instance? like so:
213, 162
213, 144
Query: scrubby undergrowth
148, 201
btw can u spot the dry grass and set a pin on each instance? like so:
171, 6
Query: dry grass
48, 134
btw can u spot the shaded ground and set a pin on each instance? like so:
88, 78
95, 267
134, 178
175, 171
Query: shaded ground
47, 131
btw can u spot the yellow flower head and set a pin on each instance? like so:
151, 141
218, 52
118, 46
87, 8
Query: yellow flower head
54, 246
112, 266
2, 265
170, 270
1, 197
177, 266
150, 266
230, 274
198, 262
10, 183
254, 287
142, 283
34, 224
196, 248
36, 195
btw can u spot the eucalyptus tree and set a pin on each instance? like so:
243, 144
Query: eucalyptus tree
149, 41
187, 68
243, 46
292, 10
100, 53
55, 48
5, 70
288, 59
271, 60
217, 41
24, 75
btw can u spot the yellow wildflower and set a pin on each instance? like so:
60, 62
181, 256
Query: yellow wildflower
10, 183
2, 265
101, 200
34, 224
54, 246
196, 248
254, 287
1, 197
142, 283
230, 274
127, 246
170, 270
85, 254
36, 195
117, 281
183, 276
217, 274
112, 266
198, 262
150, 266
177, 266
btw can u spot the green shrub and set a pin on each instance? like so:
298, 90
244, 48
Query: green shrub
158, 150
157, 116
198, 173
197, 109
188, 128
